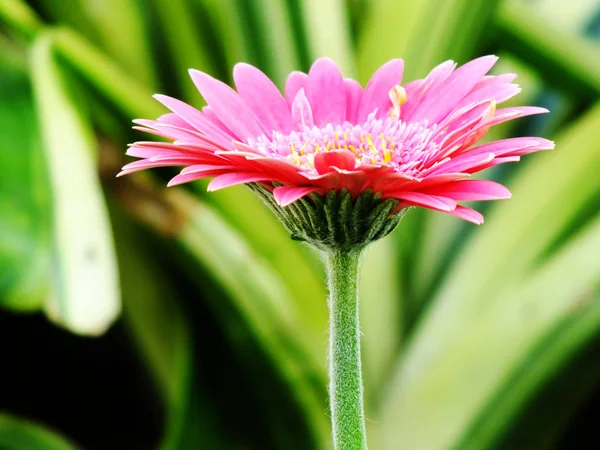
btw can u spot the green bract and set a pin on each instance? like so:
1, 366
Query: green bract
336, 221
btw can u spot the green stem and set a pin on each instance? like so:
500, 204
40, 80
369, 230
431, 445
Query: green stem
345, 385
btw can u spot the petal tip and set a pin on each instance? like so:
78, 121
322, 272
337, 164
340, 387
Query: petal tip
241, 66
198, 76
210, 188
324, 60
175, 181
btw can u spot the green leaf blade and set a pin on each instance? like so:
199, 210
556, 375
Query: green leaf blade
86, 295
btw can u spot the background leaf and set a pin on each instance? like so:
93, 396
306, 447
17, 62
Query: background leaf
18, 434
85, 297
25, 252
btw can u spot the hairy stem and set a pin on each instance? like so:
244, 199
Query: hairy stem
345, 385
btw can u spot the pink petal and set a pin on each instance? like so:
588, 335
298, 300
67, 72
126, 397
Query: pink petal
302, 114
459, 125
196, 146
329, 179
147, 164
173, 119
467, 112
502, 115
342, 159
376, 95
295, 81
326, 93
439, 102
141, 152
512, 145
186, 178
278, 169
312, 176
526, 151
425, 200
417, 91
393, 182
167, 149
181, 159
462, 163
500, 93
200, 168
412, 89
470, 190
285, 195
263, 97
196, 119
354, 94
150, 149
174, 133
232, 179
229, 107
443, 178
149, 131
506, 114
245, 148
211, 116
356, 181
493, 80
494, 162
467, 214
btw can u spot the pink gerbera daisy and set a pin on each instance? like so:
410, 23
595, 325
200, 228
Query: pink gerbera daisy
340, 165
414, 143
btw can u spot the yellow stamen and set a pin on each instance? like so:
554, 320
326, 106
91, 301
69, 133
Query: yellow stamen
371, 144
337, 140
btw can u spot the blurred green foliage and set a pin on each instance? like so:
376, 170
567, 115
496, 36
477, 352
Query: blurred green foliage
474, 337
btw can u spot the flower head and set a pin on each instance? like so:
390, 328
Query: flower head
415, 144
